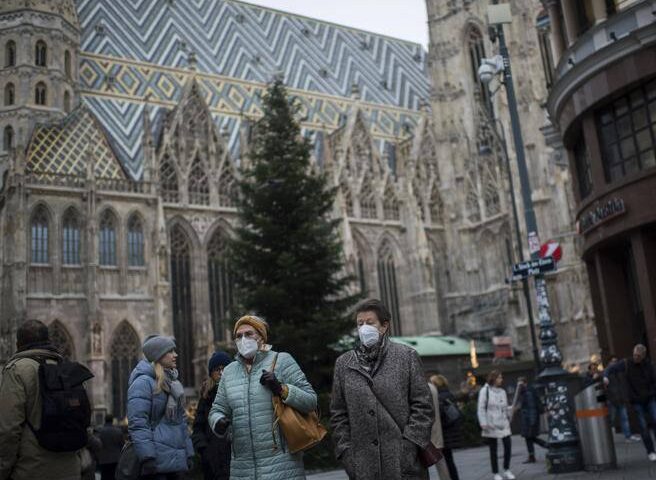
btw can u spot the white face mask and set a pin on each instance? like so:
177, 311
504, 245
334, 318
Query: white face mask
247, 347
369, 335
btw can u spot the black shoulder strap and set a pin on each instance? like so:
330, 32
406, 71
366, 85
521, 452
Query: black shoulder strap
382, 404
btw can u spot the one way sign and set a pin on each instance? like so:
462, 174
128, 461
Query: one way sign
532, 267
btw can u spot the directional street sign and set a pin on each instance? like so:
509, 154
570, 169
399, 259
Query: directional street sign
532, 267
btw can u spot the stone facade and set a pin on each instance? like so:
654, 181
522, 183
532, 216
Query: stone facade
471, 128
106, 256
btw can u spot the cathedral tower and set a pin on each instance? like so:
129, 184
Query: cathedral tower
39, 52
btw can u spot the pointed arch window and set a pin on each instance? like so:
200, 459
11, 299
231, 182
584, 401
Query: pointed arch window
107, 239
388, 287
10, 94
67, 102
67, 64
61, 340
40, 237
199, 187
227, 188
10, 54
8, 138
436, 207
181, 301
390, 204
41, 54
476, 48
368, 200
221, 286
41, 94
168, 178
71, 237
124, 354
491, 197
135, 242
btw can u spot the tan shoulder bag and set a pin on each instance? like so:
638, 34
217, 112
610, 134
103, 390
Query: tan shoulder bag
301, 431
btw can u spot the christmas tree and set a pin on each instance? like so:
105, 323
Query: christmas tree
286, 256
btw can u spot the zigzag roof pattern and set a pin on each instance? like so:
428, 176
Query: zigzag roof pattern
135, 50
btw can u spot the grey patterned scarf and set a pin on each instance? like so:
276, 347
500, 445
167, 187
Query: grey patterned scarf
175, 392
370, 358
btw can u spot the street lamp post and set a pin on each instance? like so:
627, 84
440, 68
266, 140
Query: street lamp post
564, 452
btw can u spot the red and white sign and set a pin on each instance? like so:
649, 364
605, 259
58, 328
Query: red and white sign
551, 249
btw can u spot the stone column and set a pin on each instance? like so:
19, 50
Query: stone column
556, 37
571, 22
599, 11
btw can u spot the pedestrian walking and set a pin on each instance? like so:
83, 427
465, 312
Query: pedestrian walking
89, 457
157, 421
244, 402
617, 394
641, 381
451, 418
112, 440
23, 424
381, 408
494, 418
437, 438
530, 408
214, 451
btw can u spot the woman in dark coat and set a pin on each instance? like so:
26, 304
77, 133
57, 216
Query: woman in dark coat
530, 407
451, 433
214, 451
381, 407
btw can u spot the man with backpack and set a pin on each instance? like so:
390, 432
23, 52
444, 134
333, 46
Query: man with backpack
37, 442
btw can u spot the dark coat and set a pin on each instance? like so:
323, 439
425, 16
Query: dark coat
453, 436
214, 451
530, 406
617, 390
367, 436
640, 378
112, 439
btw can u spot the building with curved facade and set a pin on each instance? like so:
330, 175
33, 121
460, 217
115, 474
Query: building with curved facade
603, 101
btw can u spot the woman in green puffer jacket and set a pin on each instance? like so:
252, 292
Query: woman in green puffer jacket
244, 402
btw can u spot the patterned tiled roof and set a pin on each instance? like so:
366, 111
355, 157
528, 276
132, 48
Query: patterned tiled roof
133, 49
65, 147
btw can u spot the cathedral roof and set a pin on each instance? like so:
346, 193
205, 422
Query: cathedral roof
64, 8
65, 148
136, 49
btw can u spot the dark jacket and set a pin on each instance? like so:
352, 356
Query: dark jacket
214, 451
530, 410
617, 390
112, 443
21, 456
640, 379
453, 436
368, 439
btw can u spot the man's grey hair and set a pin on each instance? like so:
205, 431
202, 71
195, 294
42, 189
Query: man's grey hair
640, 348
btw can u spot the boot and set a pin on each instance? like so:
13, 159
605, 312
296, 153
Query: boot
530, 459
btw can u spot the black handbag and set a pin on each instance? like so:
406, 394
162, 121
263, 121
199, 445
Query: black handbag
129, 466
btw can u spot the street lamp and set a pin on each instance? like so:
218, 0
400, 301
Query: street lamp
564, 452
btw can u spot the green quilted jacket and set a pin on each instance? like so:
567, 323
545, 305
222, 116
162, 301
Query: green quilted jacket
259, 452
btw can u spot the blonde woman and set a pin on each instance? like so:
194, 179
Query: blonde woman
156, 413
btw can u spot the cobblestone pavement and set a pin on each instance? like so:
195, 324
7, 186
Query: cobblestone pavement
474, 464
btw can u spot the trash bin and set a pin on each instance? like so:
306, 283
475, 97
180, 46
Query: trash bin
595, 433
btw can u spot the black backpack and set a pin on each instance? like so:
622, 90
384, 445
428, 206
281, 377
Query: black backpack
450, 414
65, 410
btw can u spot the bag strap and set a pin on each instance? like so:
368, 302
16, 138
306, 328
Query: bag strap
276, 418
385, 408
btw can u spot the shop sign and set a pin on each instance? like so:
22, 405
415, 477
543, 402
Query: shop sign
600, 214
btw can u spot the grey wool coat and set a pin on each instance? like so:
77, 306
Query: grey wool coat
368, 441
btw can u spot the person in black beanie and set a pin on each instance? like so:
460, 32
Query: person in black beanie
214, 451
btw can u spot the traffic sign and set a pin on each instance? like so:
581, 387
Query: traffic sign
532, 267
551, 249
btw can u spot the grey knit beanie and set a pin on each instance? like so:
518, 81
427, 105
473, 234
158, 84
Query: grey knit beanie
156, 346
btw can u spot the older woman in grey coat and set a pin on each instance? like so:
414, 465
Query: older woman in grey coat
381, 408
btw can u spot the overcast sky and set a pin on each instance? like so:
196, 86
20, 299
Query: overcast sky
404, 19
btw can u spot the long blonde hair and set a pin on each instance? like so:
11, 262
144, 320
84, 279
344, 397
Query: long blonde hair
207, 386
160, 376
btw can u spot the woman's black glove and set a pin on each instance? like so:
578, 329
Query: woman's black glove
190, 463
149, 467
269, 380
222, 425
